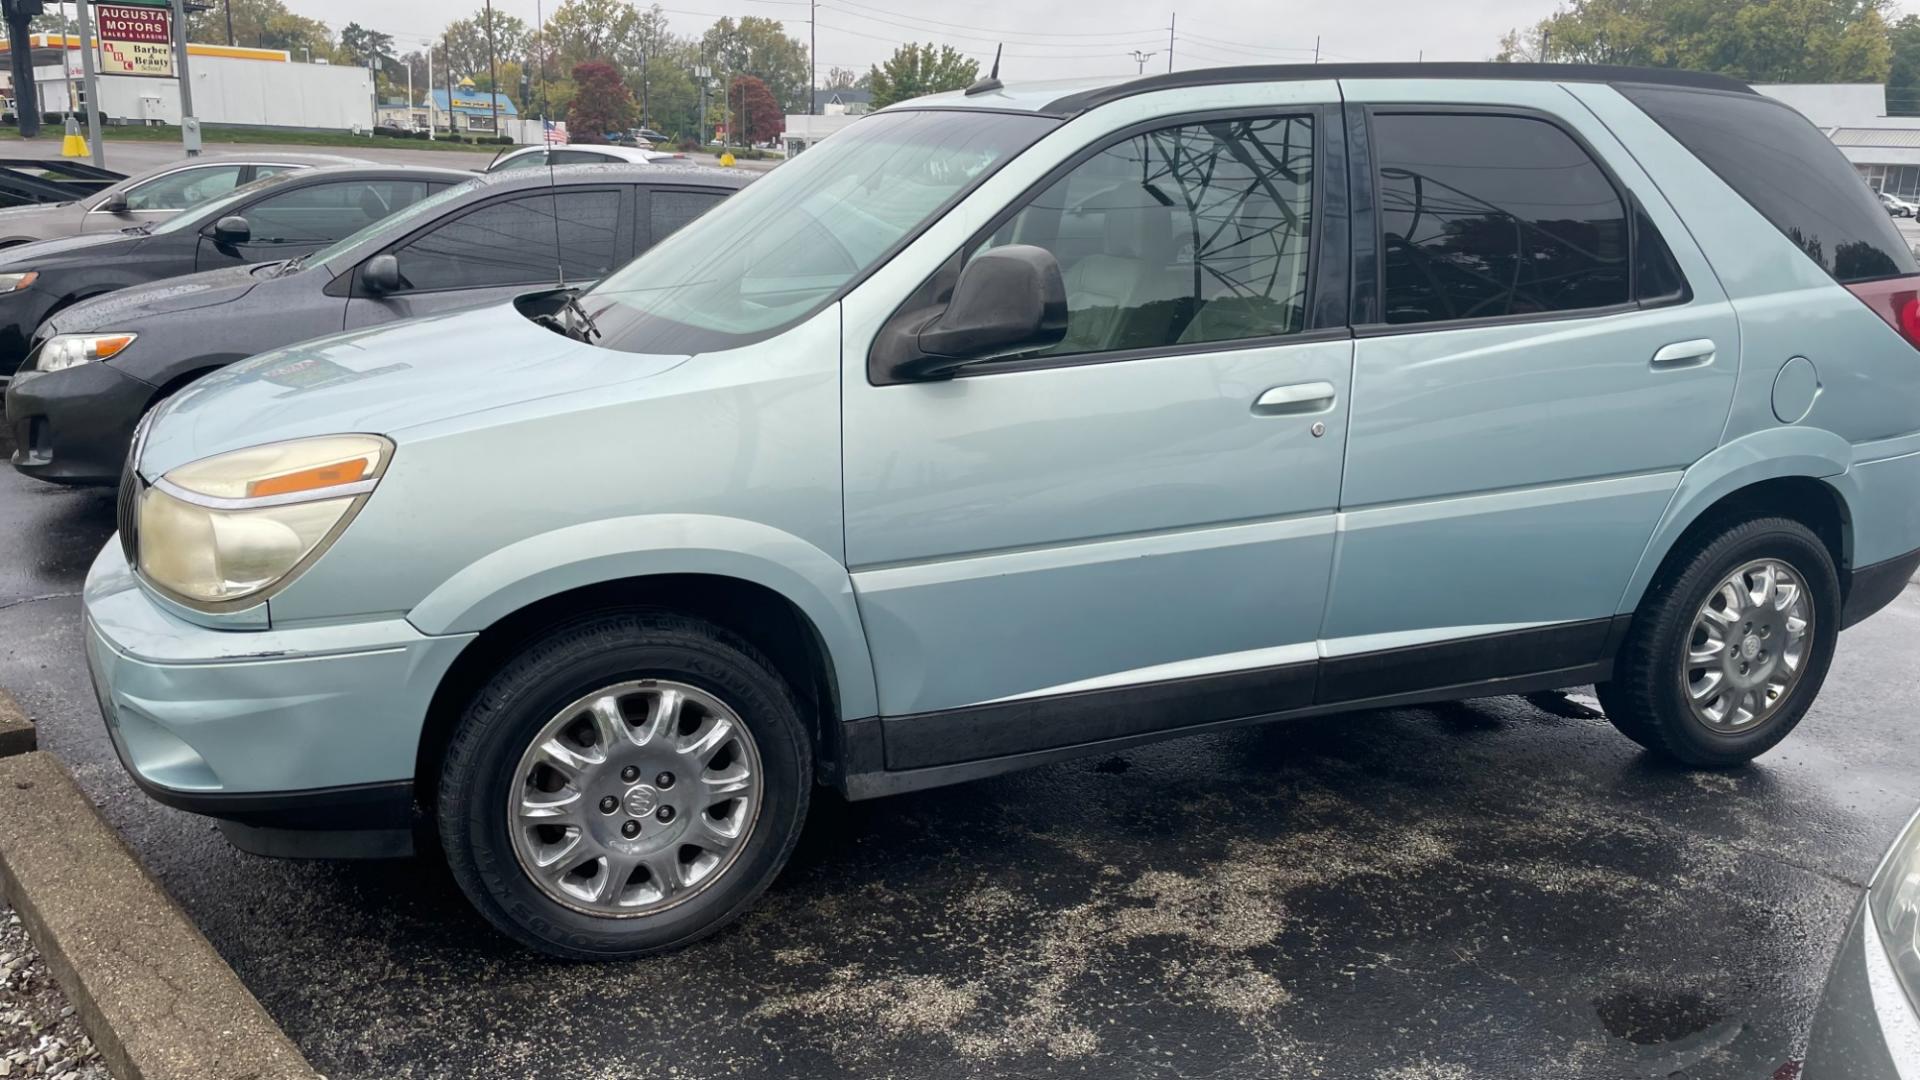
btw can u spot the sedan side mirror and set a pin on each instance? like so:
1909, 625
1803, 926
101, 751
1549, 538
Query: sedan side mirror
232, 229
116, 203
1008, 300
381, 275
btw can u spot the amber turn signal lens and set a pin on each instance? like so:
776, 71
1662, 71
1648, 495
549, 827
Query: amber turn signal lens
313, 479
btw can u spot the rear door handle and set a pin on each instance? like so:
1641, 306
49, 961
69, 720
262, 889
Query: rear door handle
1684, 354
1295, 400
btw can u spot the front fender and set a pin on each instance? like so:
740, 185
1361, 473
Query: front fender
1763, 455
593, 552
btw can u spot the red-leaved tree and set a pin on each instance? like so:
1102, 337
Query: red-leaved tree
602, 104
754, 110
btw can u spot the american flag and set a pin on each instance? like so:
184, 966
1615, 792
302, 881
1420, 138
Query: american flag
556, 132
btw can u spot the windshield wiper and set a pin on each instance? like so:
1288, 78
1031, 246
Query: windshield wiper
587, 330
290, 266
142, 229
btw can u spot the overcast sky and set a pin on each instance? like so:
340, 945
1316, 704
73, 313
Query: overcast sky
1091, 37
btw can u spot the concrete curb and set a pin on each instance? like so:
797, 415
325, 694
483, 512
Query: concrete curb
158, 1001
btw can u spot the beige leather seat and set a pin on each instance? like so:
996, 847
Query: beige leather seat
1118, 298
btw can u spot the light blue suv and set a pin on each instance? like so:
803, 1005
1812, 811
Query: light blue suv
1024, 423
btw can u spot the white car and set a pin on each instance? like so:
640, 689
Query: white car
1897, 206
528, 157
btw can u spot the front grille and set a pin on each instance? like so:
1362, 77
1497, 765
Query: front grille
126, 510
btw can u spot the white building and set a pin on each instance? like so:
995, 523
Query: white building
1886, 149
255, 87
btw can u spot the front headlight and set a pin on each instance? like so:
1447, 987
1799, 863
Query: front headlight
63, 351
1894, 901
16, 282
233, 526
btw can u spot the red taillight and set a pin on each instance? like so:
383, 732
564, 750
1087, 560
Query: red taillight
1897, 300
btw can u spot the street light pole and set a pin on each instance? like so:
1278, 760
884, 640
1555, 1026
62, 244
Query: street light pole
493, 73
189, 126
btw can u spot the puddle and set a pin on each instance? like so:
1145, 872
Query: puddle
1650, 1017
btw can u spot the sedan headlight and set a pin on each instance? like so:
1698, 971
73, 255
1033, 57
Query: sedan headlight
16, 282
63, 351
233, 526
1894, 901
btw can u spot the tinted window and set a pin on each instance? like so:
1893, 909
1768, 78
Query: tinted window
514, 243
1185, 235
1486, 216
327, 212
580, 157
1781, 164
669, 210
179, 190
523, 161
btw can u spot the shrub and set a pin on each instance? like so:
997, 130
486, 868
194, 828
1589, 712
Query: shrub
687, 144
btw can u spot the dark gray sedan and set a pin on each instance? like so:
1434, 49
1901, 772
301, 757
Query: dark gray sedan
95, 368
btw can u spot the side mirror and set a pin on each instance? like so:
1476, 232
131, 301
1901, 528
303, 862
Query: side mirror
381, 275
117, 203
1008, 300
232, 229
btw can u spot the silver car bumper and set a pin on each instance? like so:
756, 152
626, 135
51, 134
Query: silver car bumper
1865, 1028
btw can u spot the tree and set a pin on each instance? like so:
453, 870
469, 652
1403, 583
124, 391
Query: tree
1756, 40
1903, 76
262, 24
839, 78
367, 48
601, 103
465, 42
510, 76
914, 70
755, 113
584, 30
761, 48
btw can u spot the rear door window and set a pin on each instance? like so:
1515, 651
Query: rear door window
1782, 165
1493, 216
180, 190
667, 211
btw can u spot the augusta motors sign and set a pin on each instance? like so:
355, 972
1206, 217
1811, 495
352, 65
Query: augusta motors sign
135, 40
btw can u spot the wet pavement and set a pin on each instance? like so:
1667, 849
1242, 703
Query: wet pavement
1501, 888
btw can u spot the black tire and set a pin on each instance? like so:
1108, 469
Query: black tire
560, 667
1645, 699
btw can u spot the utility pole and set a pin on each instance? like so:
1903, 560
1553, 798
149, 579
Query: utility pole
189, 124
1546, 39
26, 94
429, 89
1316, 48
643, 85
229, 23
1141, 59
540, 49
705, 74
93, 88
493, 73
1170, 21
813, 51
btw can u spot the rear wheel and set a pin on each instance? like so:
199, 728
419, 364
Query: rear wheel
1730, 646
628, 784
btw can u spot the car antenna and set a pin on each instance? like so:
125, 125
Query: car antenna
553, 195
992, 81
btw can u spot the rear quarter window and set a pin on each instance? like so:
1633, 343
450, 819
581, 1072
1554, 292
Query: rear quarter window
1785, 168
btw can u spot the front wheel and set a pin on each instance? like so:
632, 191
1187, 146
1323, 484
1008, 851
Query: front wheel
628, 784
1730, 645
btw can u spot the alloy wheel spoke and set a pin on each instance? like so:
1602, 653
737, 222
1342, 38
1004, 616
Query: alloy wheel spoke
609, 723
663, 716
544, 806
561, 855
1708, 688
706, 742
567, 760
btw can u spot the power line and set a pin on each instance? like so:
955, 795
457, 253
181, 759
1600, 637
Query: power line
989, 36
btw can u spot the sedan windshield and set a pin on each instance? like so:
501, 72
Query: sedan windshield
374, 234
789, 244
218, 208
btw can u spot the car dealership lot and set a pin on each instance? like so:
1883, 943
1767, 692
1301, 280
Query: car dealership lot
1503, 888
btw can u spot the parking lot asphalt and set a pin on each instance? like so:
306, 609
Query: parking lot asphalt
1501, 888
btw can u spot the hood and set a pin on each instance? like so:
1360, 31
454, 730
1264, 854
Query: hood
388, 380
189, 293
27, 256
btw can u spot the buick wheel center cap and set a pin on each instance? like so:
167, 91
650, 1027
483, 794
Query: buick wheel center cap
1750, 647
641, 800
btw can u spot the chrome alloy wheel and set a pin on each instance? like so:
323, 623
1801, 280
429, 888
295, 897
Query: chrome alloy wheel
1748, 647
635, 798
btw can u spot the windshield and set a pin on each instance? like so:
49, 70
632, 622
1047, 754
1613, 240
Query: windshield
788, 244
375, 233
218, 208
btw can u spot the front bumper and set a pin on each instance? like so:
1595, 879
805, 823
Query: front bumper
312, 729
74, 426
1864, 1027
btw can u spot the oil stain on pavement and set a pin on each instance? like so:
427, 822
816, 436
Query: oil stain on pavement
1499, 888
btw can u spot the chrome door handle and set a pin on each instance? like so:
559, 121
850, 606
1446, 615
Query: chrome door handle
1295, 400
1684, 354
